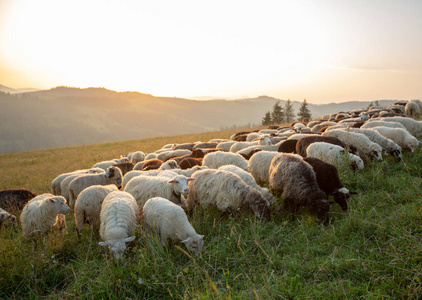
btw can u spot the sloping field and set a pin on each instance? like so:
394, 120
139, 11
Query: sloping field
371, 251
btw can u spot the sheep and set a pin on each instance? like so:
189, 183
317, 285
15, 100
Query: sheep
377, 123
41, 215
225, 145
64, 185
414, 127
124, 167
189, 162
248, 179
296, 181
6, 217
251, 136
400, 136
259, 165
175, 153
303, 144
88, 206
107, 163
313, 123
329, 181
144, 187
187, 146
55, 184
113, 175
170, 222
148, 164
334, 154
118, 217
367, 150
205, 145
298, 136
136, 157
15, 199
288, 146
226, 191
217, 159
397, 108
387, 144
418, 102
135, 173
151, 156
241, 145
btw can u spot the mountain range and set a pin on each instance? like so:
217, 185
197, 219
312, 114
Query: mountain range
65, 116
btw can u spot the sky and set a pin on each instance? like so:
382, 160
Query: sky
321, 50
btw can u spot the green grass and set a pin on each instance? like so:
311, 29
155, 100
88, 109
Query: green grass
372, 251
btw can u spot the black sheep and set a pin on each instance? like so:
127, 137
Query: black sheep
13, 199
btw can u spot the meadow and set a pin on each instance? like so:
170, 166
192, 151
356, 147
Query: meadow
372, 251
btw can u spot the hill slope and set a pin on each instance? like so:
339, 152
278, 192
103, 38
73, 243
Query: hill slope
70, 116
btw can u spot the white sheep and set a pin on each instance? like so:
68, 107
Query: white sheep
119, 216
6, 217
170, 222
42, 214
298, 136
225, 145
151, 156
113, 175
414, 127
387, 144
55, 184
378, 123
173, 153
248, 179
400, 136
136, 157
227, 192
88, 206
367, 150
143, 188
334, 154
412, 109
214, 160
241, 145
259, 165
418, 102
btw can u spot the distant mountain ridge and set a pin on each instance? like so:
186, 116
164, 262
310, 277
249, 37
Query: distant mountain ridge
65, 116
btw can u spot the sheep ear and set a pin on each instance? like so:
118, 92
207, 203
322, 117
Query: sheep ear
201, 236
186, 241
129, 239
171, 181
191, 179
51, 200
103, 243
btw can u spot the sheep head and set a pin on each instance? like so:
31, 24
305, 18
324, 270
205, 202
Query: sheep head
320, 208
117, 247
413, 143
396, 153
60, 203
194, 243
180, 184
376, 152
259, 205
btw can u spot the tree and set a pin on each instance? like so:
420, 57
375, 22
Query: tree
304, 111
266, 120
370, 105
288, 111
277, 115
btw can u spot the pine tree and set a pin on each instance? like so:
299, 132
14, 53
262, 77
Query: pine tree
304, 111
277, 115
266, 120
288, 111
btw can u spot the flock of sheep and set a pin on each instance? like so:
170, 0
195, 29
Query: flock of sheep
244, 173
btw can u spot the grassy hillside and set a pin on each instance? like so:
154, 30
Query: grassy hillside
372, 251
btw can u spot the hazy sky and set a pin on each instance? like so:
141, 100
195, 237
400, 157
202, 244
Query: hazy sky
321, 50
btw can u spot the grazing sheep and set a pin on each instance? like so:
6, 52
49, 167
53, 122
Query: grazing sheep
418, 102
367, 150
55, 184
377, 123
400, 136
335, 155
205, 145
145, 187
226, 191
288, 146
217, 159
150, 164
151, 156
248, 179
170, 222
6, 217
189, 162
136, 157
124, 167
64, 185
414, 127
303, 144
226, 145
397, 108
88, 206
118, 217
388, 145
41, 215
295, 179
15, 199
186, 146
113, 175
259, 165
174, 153
108, 163
242, 145
329, 181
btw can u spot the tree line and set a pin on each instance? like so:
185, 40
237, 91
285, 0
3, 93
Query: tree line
281, 114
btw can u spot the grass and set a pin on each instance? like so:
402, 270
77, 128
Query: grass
372, 251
